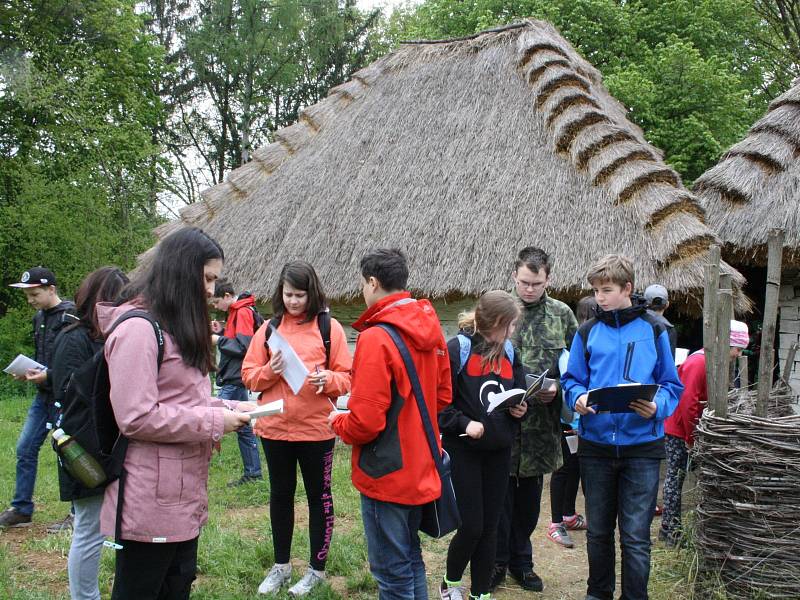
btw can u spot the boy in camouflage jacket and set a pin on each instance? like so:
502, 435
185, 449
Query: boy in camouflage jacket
545, 329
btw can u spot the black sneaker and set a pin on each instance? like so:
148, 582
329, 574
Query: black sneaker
13, 518
528, 580
245, 479
63, 525
498, 577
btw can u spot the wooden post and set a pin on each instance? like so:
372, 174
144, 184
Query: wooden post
765, 364
710, 318
744, 376
722, 355
789, 364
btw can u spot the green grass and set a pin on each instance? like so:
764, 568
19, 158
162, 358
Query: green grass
235, 547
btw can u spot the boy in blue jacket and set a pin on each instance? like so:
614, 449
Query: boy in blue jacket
620, 453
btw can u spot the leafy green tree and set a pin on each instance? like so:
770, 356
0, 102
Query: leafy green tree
77, 109
255, 64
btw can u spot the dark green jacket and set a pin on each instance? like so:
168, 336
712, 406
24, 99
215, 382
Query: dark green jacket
545, 329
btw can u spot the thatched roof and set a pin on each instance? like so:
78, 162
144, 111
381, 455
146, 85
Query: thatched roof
756, 185
461, 152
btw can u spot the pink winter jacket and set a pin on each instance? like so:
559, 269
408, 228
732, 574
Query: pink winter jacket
172, 423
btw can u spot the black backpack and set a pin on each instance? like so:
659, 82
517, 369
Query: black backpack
324, 324
89, 416
258, 319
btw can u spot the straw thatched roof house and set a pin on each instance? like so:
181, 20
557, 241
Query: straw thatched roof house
461, 152
756, 188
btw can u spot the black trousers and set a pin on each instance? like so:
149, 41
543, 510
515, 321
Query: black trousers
479, 480
145, 571
517, 522
316, 464
564, 485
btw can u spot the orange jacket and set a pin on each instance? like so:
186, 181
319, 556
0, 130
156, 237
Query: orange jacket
382, 403
305, 416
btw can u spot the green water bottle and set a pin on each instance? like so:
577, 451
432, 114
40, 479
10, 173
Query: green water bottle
80, 465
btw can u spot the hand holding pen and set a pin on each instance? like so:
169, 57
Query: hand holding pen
318, 378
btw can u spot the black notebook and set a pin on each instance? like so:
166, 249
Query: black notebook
617, 399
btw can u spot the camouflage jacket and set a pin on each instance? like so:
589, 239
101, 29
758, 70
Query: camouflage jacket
545, 329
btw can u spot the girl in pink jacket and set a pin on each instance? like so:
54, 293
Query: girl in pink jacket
168, 416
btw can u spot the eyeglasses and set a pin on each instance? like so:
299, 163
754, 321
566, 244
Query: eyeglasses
527, 285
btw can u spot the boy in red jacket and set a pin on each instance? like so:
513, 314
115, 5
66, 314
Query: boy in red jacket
232, 342
680, 426
391, 462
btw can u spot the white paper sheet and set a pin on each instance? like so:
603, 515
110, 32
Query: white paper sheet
21, 364
265, 410
295, 372
681, 354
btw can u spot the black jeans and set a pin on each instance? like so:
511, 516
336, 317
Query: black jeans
479, 480
316, 463
564, 485
146, 571
517, 522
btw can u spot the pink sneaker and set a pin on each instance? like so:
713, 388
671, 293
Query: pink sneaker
575, 523
558, 533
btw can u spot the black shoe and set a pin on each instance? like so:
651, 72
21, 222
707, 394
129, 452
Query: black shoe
13, 518
498, 577
528, 580
244, 479
61, 526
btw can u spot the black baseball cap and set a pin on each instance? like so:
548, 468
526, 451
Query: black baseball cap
35, 277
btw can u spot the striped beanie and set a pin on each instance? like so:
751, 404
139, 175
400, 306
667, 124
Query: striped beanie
740, 337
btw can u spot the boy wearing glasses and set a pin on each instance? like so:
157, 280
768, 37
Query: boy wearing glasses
544, 331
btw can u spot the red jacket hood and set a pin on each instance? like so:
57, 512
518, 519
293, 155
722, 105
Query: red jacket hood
243, 301
416, 319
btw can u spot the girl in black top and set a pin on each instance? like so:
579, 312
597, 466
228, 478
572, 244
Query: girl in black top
73, 347
479, 443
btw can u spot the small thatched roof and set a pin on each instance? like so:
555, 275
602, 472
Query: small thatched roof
461, 152
756, 185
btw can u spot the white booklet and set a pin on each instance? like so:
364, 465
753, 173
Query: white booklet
265, 410
513, 397
295, 372
20, 365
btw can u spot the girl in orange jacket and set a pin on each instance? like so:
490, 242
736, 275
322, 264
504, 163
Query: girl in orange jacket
300, 435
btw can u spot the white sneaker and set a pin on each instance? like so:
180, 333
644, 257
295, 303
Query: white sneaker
276, 578
309, 581
453, 593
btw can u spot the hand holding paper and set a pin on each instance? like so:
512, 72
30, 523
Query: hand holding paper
21, 365
289, 366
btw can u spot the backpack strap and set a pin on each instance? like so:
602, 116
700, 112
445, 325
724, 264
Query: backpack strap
509, 351
324, 324
141, 314
416, 388
465, 347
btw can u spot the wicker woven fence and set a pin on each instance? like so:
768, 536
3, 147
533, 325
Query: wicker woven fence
748, 515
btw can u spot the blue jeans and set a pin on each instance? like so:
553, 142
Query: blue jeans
620, 490
40, 417
395, 557
248, 445
84, 553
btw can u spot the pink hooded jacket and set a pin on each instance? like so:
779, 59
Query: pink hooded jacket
172, 423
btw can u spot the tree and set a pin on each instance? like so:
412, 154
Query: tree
76, 113
781, 42
256, 63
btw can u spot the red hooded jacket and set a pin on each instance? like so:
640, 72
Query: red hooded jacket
391, 459
694, 398
240, 317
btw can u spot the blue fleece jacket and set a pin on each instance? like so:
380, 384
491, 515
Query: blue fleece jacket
622, 346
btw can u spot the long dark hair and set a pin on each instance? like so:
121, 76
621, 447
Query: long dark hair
302, 276
102, 285
173, 289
